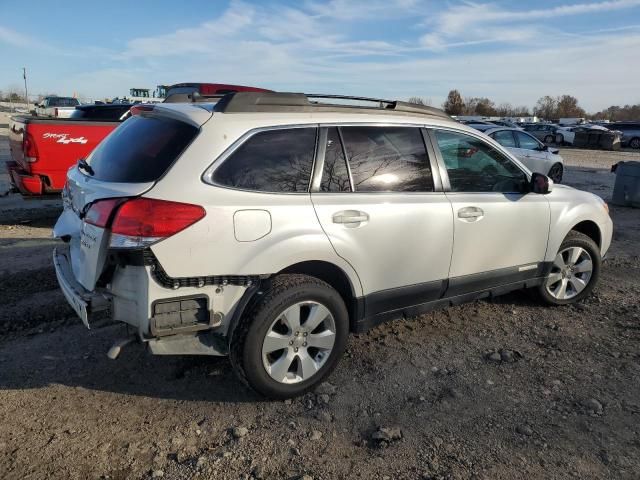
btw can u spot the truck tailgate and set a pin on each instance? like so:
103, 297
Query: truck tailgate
58, 145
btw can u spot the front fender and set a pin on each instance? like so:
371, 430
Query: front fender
570, 207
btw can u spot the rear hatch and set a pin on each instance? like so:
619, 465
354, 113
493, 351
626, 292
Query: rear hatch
104, 187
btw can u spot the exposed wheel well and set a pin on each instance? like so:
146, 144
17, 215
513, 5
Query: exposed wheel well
590, 229
334, 276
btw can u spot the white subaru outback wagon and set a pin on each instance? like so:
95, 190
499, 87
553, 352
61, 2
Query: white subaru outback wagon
268, 226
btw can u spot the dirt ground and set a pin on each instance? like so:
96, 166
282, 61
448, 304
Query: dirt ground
561, 400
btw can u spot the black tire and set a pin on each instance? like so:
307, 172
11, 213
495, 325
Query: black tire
549, 139
576, 239
555, 173
278, 294
634, 143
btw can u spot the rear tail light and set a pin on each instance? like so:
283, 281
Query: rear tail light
29, 148
101, 212
142, 221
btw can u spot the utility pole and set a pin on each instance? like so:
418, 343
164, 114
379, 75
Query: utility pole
26, 93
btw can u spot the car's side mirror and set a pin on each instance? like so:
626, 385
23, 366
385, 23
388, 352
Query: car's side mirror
544, 148
540, 184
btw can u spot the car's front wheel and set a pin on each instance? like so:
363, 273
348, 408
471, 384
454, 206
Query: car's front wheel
574, 272
634, 143
291, 337
549, 139
555, 172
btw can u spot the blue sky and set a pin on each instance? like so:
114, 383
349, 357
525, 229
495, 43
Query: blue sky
508, 51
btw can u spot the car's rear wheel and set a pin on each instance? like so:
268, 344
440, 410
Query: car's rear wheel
555, 172
291, 338
574, 272
549, 139
634, 143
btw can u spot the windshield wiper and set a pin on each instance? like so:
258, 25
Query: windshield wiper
82, 163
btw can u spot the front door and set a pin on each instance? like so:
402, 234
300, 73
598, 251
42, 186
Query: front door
383, 213
531, 152
500, 232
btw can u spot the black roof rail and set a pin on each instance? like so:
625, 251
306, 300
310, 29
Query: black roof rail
247, 102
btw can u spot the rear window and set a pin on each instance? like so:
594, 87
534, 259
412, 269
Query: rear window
141, 149
63, 102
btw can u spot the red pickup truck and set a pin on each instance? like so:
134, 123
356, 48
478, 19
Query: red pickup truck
43, 150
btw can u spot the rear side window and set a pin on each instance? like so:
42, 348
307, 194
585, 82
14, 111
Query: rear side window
335, 176
141, 149
387, 159
271, 161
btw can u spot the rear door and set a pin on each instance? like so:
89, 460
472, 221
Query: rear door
500, 231
126, 164
384, 212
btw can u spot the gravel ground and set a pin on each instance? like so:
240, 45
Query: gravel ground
488, 390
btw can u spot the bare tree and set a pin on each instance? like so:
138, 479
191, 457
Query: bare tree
568, 107
454, 105
420, 101
546, 107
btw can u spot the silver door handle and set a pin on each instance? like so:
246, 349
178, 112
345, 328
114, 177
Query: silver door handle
350, 217
470, 213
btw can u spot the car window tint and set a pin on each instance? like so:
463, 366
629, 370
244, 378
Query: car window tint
527, 141
278, 160
387, 159
475, 166
141, 149
335, 176
504, 138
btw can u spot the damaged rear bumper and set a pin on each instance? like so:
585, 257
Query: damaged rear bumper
83, 302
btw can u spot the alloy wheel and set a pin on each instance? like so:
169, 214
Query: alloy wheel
570, 274
635, 143
555, 173
298, 342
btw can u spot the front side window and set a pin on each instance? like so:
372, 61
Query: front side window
276, 161
475, 166
387, 159
527, 141
504, 138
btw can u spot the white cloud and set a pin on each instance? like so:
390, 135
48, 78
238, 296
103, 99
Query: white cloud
477, 21
308, 49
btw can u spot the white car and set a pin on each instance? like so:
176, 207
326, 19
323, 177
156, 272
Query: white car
535, 155
57, 107
268, 226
